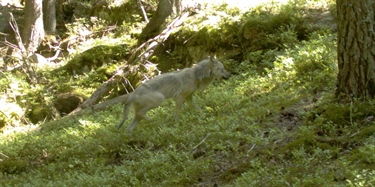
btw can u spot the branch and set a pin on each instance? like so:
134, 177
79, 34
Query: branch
157, 40
104, 88
99, 107
150, 44
14, 26
24, 52
143, 11
2, 154
200, 143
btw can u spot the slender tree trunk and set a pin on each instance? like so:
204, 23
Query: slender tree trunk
33, 31
49, 16
356, 49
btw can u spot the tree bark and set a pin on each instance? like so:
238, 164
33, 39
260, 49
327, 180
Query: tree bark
33, 31
356, 49
153, 27
49, 16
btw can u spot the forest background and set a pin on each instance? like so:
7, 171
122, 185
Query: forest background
276, 122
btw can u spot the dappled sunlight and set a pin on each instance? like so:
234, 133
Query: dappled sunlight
242, 5
274, 122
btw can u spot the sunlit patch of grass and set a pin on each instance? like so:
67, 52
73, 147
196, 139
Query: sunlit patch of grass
274, 123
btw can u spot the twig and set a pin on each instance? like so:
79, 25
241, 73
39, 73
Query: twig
200, 143
252, 148
5, 116
24, 52
351, 112
143, 11
4, 155
10, 44
14, 26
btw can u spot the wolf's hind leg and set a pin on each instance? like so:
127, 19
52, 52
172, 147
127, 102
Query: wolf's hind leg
124, 115
142, 106
133, 124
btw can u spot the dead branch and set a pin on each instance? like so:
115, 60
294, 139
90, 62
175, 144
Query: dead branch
143, 11
148, 47
2, 154
157, 40
96, 108
24, 53
13, 24
200, 143
103, 89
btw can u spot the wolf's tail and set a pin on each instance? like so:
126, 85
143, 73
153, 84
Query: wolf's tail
128, 103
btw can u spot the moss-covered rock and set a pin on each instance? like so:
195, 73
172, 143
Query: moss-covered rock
39, 113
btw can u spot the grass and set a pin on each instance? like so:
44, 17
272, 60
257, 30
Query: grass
273, 123
252, 130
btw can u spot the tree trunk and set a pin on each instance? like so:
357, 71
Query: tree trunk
33, 31
49, 16
153, 27
356, 49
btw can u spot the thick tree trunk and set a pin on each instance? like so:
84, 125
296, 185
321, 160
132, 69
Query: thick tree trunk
153, 27
49, 16
356, 49
33, 31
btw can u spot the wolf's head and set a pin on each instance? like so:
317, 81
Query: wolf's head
218, 69
210, 69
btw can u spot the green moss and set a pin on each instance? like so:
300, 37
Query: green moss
302, 140
364, 156
65, 103
13, 166
365, 132
39, 113
274, 128
94, 58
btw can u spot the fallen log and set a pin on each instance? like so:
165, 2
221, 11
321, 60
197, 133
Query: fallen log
147, 48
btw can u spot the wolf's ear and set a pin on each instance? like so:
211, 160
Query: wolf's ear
202, 71
211, 58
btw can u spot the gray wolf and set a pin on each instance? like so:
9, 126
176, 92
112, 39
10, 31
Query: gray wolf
179, 85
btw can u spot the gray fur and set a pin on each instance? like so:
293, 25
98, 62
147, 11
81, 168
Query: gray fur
179, 85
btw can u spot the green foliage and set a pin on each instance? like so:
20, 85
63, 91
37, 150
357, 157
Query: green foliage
273, 123
95, 58
262, 30
13, 89
229, 33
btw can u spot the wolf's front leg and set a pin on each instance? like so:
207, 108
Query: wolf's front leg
193, 103
179, 102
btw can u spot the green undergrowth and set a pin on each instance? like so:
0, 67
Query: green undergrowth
277, 127
275, 122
